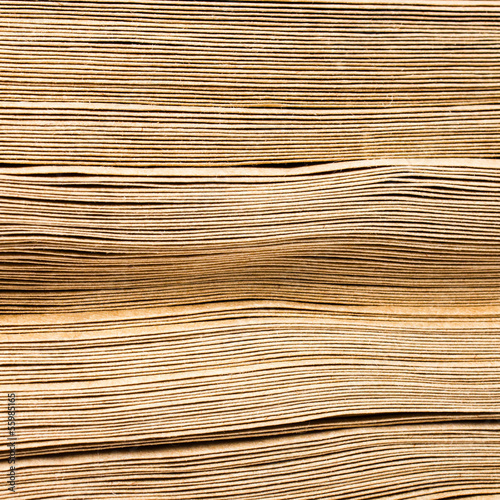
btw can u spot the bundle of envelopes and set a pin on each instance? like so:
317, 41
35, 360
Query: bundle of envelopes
250, 250
355, 233
221, 83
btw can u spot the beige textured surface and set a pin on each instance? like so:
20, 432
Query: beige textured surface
250, 250
223, 83
425, 232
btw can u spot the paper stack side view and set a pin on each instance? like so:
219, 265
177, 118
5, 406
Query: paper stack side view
250, 250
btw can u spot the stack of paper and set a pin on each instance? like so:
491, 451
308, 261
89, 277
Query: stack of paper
250, 250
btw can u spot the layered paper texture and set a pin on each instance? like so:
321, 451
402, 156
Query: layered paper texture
223, 83
425, 232
302, 333
250, 250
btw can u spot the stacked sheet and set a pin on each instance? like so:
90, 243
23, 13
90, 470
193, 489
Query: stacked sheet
280, 398
223, 83
425, 232
250, 250
420, 462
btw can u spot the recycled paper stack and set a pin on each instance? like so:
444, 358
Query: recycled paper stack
224, 83
250, 250
371, 233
